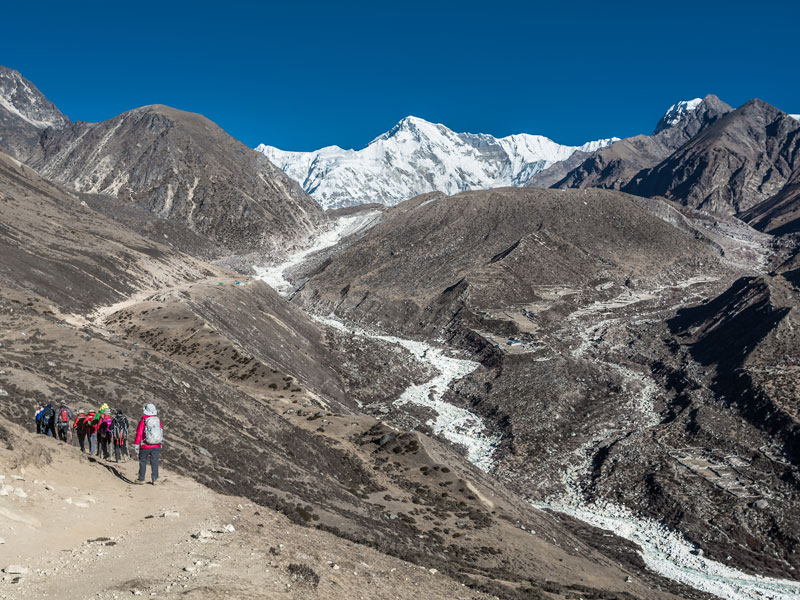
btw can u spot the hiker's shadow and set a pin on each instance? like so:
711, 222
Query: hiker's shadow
111, 468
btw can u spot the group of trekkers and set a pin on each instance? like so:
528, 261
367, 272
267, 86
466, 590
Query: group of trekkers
100, 432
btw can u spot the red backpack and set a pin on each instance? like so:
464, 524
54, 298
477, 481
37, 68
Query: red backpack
87, 423
63, 415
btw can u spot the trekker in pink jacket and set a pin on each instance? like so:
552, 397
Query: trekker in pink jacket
149, 436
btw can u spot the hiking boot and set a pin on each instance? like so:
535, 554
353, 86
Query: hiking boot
155, 481
139, 482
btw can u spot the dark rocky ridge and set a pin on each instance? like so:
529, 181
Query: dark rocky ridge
182, 167
742, 162
614, 166
744, 158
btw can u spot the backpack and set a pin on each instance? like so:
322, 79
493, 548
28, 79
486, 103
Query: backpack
87, 423
47, 416
104, 429
119, 427
152, 431
63, 417
39, 414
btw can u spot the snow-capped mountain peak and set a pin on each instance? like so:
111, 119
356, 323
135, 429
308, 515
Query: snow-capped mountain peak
417, 156
675, 112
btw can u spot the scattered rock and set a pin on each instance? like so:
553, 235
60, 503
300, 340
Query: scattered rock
229, 528
203, 534
20, 492
171, 514
16, 570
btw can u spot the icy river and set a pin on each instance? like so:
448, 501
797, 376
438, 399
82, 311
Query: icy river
664, 551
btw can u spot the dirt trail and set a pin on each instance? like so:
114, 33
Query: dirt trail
83, 531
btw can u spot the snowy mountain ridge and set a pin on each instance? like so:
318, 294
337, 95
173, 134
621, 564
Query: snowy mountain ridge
416, 157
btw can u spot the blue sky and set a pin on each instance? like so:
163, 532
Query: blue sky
301, 75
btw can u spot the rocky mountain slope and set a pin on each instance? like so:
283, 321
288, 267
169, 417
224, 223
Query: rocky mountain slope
57, 247
705, 155
744, 158
416, 157
779, 214
496, 248
614, 166
182, 167
178, 166
24, 114
564, 297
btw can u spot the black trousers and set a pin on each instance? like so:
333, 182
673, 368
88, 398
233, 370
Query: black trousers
63, 432
120, 448
82, 440
148, 455
103, 446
